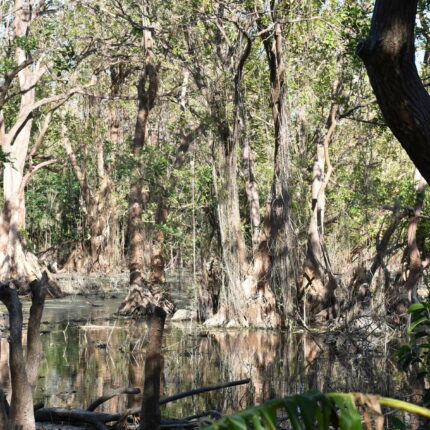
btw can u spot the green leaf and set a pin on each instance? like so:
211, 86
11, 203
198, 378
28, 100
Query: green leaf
237, 423
307, 410
256, 422
416, 323
416, 307
269, 417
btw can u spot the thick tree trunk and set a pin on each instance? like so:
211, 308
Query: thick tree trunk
279, 234
231, 309
98, 206
21, 407
389, 56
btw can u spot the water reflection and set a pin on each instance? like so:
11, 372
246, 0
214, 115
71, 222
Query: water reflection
90, 357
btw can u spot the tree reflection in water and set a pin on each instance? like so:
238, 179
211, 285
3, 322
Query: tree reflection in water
82, 361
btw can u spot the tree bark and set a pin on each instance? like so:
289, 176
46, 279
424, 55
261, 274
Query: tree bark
415, 267
150, 413
228, 138
251, 189
142, 297
97, 201
279, 228
21, 406
318, 283
138, 261
34, 344
389, 57
12, 219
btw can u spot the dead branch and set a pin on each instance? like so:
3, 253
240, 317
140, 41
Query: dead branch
123, 390
195, 391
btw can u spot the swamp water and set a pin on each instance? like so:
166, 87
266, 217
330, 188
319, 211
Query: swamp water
87, 353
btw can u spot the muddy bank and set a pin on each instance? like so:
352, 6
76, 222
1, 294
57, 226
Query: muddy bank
101, 284
91, 284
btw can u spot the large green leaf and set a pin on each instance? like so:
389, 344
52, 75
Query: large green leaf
313, 411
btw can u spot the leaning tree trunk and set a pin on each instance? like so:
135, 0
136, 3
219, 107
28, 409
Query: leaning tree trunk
142, 296
389, 57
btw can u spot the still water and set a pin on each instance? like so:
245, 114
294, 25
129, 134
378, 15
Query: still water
87, 353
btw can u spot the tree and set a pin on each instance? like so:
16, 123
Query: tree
389, 57
15, 134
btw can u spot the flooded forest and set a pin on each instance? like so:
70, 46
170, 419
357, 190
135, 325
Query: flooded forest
214, 214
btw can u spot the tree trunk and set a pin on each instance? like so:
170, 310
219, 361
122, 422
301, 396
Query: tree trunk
231, 307
21, 407
12, 219
389, 57
415, 267
362, 279
142, 297
150, 413
251, 189
157, 258
318, 283
279, 234
233, 248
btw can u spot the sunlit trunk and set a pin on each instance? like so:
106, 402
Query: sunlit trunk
12, 221
232, 242
279, 228
318, 284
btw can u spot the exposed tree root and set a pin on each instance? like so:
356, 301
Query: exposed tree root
142, 299
257, 308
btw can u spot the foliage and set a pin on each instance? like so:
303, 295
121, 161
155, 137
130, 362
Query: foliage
314, 410
415, 355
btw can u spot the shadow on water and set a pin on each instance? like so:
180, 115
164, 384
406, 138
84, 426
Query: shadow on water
87, 354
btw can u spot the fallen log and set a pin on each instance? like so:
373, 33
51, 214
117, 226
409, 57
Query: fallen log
77, 418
